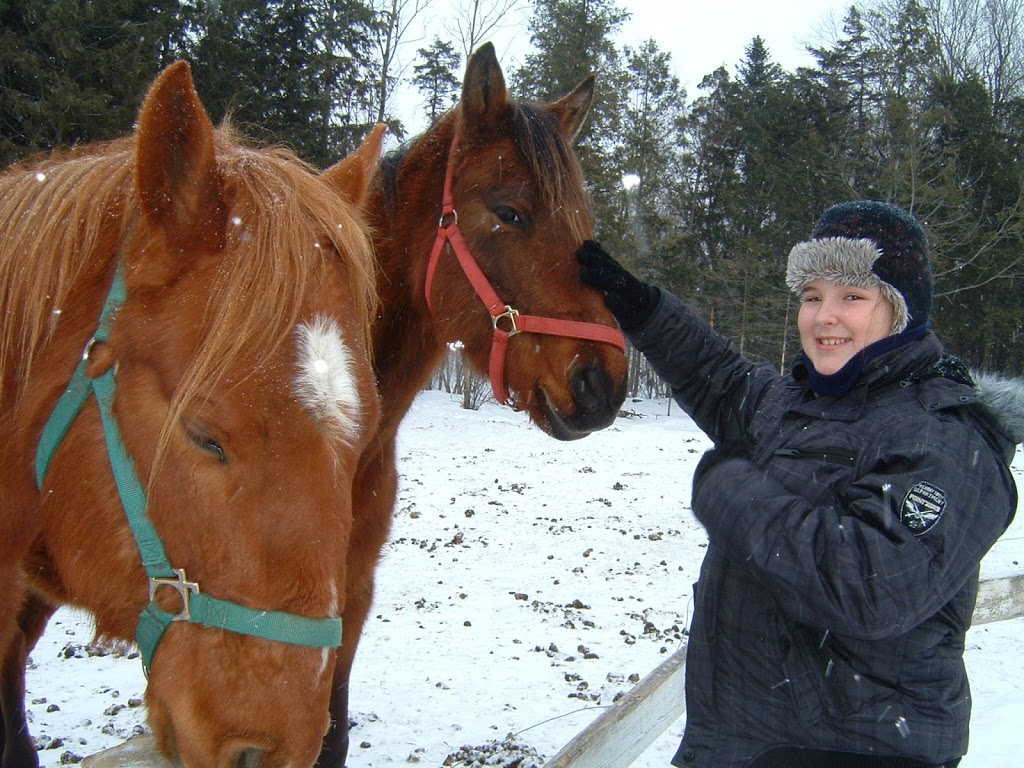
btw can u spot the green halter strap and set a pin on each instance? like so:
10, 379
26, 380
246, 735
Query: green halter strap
196, 606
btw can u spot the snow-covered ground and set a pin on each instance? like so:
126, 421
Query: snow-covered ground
527, 583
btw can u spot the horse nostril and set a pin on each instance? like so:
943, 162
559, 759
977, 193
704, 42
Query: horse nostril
593, 390
250, 757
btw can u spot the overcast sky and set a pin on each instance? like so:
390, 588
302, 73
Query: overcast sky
701, 36
704, 35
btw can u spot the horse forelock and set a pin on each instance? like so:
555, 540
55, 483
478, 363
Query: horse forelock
555, 167
285, 227
540, 142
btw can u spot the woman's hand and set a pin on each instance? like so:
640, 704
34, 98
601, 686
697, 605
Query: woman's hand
629, 299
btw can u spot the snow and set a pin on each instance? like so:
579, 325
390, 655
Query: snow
527, 582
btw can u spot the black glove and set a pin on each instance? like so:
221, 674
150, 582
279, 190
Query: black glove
712, 458
629, 299
708, 462
727, 486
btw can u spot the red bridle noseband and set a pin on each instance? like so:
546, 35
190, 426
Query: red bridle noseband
448, 233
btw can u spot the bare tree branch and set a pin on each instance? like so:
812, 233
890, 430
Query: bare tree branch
473, 21
396, 18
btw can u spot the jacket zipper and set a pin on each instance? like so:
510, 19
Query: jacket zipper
839, 457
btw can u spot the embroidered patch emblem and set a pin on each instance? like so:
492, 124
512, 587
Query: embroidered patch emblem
922, 507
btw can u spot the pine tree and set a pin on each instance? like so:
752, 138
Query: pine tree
977, 223
73, 72
290, 72
846, 79
573, 39
710, 169
912, 46
436, 77
760, 168
651, 149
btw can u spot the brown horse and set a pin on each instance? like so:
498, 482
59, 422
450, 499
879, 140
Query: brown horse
212, 428
502, 274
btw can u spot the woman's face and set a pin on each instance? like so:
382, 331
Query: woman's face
837, 321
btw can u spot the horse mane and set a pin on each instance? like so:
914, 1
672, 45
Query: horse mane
553, 163
51, 213
56, 221
542, 145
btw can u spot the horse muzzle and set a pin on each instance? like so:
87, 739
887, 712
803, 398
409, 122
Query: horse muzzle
596, 398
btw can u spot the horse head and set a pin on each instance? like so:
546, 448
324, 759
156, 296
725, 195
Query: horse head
238, 344
515, 198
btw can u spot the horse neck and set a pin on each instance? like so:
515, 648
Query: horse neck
406, 344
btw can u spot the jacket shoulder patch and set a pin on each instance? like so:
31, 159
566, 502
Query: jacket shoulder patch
922, 507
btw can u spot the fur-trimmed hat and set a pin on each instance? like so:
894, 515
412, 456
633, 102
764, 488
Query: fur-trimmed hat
866, 243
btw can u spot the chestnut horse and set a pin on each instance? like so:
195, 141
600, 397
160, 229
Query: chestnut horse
178, 457
499, 273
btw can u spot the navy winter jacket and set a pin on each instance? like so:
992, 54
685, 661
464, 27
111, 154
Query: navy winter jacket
845, 541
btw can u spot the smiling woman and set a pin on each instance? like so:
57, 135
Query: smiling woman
848, 506
838, 321
865, 286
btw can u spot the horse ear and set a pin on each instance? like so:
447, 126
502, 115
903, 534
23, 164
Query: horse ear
352, 175
176, 176
572, 110
483, 88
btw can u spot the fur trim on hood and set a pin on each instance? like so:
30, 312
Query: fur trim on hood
845, 262
1003, 400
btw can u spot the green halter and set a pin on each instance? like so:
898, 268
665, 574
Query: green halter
196, 606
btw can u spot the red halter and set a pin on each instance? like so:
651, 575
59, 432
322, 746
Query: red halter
449, 233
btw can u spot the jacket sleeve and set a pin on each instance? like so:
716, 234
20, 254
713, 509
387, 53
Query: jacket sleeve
892, 550
709, 378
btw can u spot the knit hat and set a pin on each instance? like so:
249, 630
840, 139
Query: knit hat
867, 243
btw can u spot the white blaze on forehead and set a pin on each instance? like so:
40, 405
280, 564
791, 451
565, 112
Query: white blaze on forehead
326, 383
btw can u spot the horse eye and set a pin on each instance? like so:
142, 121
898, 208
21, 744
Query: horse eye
213, 447
508, 215
208, 444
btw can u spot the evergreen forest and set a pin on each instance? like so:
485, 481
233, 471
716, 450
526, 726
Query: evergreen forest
918, 102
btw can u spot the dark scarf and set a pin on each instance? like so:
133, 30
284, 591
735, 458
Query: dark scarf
842, 381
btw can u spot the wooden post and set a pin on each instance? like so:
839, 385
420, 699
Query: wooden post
140, 752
